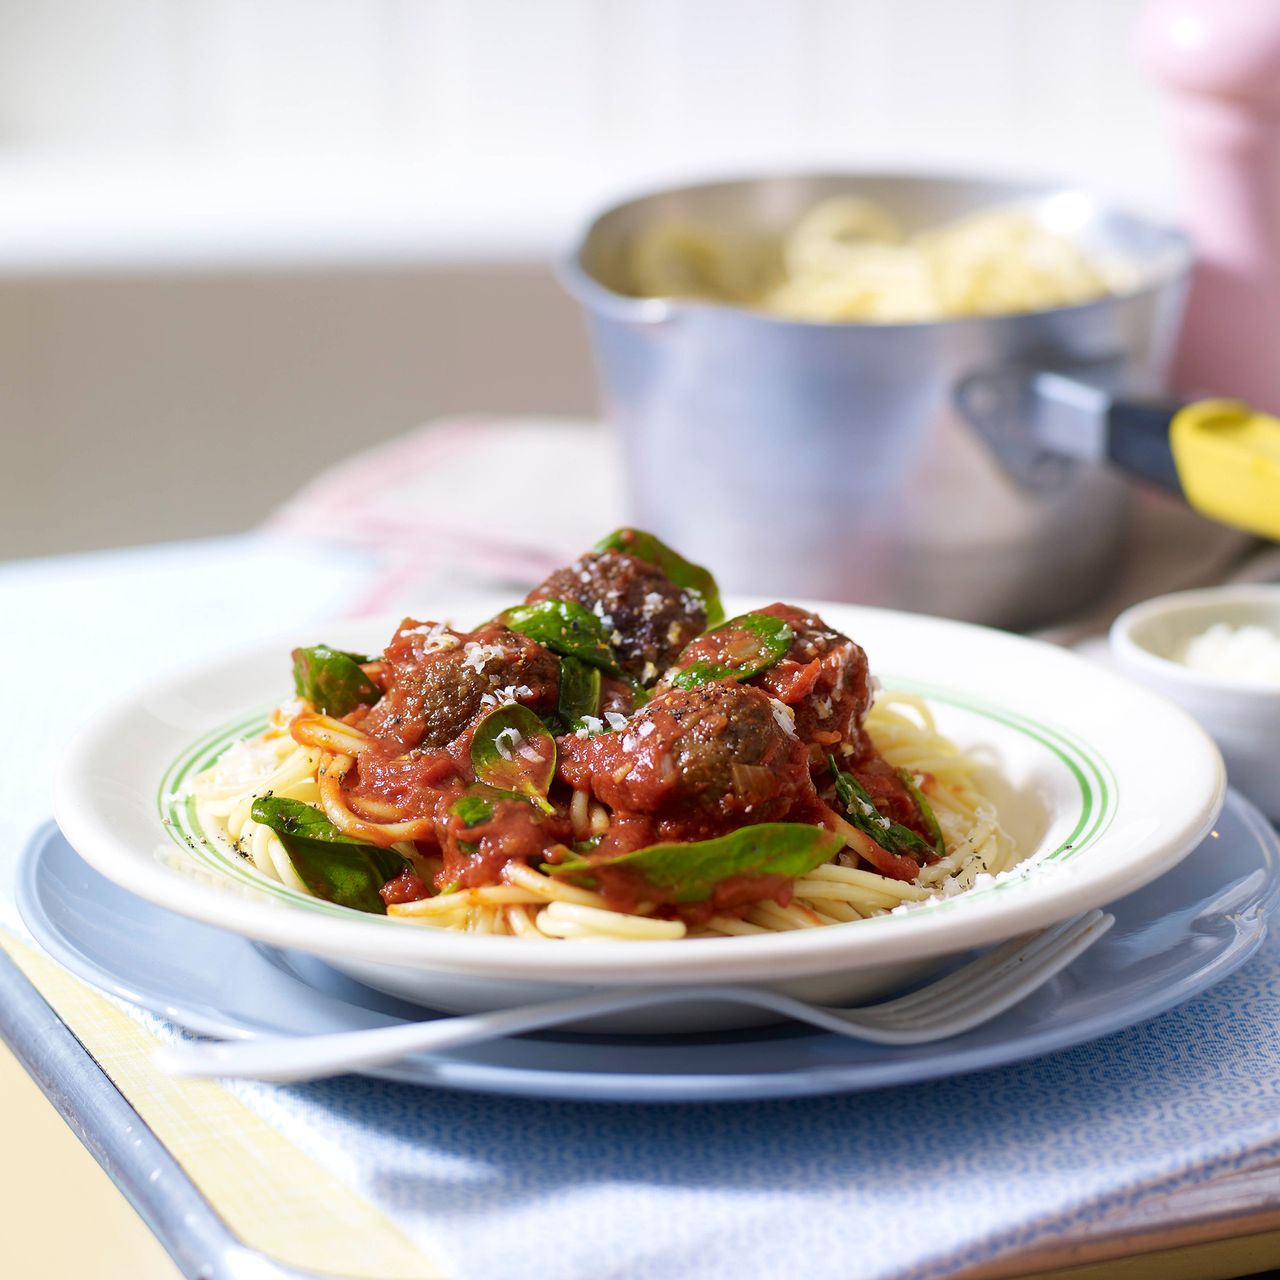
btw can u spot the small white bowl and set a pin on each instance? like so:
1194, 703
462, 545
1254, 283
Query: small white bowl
1242, 715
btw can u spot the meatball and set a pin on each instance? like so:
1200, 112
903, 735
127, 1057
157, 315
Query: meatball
823, 677
648, 618
699, 761
437, 681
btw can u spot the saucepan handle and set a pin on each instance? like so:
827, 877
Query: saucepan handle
1228, 461
1137, 441
1222, 455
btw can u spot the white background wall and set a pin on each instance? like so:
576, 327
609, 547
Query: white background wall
308, 224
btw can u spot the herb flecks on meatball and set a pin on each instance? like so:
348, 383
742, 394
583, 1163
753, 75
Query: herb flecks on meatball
647, 618
699, 762
438, 681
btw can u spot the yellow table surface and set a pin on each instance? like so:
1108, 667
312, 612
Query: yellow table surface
63, 1216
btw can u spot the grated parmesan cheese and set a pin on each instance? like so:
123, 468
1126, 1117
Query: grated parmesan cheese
438, 637
1251, 652
503, 697
286, 712
478, 654
511, 740
953, 886
245, 763
784, 716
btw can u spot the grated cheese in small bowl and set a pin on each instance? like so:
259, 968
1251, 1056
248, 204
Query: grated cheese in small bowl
1216, 653
1250, 652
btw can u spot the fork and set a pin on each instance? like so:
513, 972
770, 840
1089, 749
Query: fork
964, 999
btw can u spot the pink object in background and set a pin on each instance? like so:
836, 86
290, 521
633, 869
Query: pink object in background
1219, 60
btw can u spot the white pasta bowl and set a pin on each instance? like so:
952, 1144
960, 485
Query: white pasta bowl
1102, 784
1241, 714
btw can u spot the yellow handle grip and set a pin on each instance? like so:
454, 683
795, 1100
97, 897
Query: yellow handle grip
1228, 460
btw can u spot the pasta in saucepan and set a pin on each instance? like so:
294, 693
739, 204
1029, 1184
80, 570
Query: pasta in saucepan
848, 259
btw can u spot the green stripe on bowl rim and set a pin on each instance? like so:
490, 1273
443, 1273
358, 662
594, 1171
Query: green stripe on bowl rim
1092, 774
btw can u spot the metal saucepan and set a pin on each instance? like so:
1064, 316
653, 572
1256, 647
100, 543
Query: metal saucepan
951, 467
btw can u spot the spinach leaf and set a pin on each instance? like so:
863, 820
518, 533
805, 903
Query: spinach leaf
513, 751
690, 872
478, 804
748, 644
684, 573
567, 628
579, 692
472, 809
926, 811
892, 836
331, 680
330, 864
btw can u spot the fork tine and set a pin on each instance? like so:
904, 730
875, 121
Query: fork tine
980, 980
1009, 954
993, 995
862, 1024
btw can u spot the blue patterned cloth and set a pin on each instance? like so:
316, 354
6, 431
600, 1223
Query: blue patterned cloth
909, 1182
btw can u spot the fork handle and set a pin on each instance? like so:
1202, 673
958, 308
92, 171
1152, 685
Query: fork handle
315, 1057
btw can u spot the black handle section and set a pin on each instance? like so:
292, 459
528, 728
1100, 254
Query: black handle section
1138, 440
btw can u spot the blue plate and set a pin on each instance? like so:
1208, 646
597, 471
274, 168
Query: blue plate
1171, 940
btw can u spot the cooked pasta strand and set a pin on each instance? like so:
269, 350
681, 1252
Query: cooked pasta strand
550, 888
313, 730
487, 896
572, 920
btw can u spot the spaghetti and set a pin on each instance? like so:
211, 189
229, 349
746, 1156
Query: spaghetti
497, 782
848, 259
